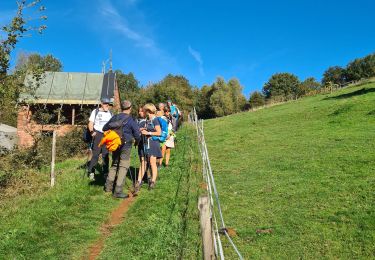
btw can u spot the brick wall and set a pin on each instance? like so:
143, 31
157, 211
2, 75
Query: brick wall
26, 128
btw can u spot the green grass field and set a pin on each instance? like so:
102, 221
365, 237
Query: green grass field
305, 170
164, 223
63, 222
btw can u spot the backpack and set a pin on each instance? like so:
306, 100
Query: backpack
164, 130
86, 136
113, 136
111, 139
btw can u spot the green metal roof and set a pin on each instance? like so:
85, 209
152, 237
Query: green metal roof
64, 88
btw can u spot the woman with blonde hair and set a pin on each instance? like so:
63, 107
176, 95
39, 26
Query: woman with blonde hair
152, 129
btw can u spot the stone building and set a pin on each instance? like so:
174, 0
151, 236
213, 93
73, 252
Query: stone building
64, 100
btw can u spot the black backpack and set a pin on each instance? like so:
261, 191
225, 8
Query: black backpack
86, 136
117, 125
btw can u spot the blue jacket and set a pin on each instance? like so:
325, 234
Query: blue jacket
130, 129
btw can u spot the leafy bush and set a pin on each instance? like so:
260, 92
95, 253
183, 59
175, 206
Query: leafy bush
20, 161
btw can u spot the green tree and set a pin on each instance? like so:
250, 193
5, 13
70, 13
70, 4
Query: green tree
256, 99
282, 84
235, 90
221, 101
129, 88
361, 68
174, 87
334, 75
36, 62
10, 85
202, 101
307, 86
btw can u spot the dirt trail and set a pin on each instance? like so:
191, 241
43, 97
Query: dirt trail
107, 227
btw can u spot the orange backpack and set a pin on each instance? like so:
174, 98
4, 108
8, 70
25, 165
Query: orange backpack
111, 139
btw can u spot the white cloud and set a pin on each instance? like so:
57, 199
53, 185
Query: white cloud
119, 23
198, 58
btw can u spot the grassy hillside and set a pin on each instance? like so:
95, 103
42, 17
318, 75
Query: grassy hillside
63, 222
297, 180
164, 223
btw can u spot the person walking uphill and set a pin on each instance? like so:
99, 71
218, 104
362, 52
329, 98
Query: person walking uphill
98, 118
121, 157
152, 131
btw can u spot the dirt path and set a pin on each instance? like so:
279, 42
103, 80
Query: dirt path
107, 227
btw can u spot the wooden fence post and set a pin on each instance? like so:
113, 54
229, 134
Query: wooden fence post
206, 228
53, 158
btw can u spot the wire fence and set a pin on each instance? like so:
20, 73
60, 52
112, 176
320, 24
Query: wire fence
217, 219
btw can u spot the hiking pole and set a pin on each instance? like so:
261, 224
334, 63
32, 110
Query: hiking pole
85, 169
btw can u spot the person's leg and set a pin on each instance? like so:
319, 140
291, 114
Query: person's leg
123, 169
163, 148
105, 159
167, 156
154, 169
174, 123
95, 152
112, 172
142, 169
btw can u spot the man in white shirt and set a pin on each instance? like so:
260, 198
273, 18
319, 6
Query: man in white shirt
98, 118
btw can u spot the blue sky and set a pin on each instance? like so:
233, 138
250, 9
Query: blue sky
249, 40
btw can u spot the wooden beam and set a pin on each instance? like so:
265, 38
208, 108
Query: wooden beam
53, 158
206, 228
73, 115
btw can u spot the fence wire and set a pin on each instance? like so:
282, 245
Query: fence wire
215, 206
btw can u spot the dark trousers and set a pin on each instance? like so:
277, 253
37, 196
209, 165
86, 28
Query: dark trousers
96, 151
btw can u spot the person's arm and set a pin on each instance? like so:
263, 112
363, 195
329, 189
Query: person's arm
156, 133
90, 125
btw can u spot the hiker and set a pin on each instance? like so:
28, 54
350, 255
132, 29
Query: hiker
121, 157
161, 107
141, 150
151, 130
164, 128
98, 118
169, 143
175, 114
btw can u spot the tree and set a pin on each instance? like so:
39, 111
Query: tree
334, 75
282, 84
10, 85
256, 99
129, 88
361, 68
238, 98
221, 101
36, 62
307, 86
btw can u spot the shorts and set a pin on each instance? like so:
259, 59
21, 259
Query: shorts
153, 148
170, 142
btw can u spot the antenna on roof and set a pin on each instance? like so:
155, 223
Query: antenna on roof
110, 60
104, 63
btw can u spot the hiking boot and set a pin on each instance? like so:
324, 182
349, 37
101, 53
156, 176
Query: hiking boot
137, 188
151, 186
121, 195
108, 186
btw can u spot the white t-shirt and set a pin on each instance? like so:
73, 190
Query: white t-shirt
100, 120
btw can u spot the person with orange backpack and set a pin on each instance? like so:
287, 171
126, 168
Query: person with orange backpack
124, 127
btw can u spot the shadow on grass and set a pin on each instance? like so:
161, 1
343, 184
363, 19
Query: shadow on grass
362, 91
